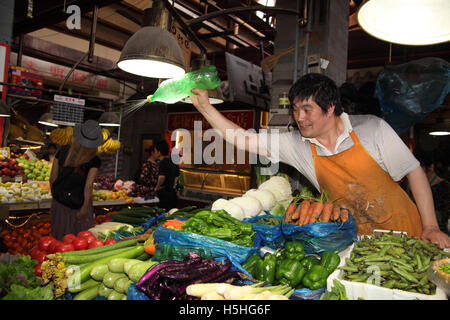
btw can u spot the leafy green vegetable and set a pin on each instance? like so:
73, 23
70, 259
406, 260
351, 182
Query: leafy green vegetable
337, 292
18, 272
278, 210
18, 292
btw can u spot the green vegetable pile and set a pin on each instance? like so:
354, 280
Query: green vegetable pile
19, 282
337, 292
445, 267
291, 267
269, 221
400, 261
136, 216
219, 224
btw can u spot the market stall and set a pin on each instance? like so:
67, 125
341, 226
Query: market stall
263, 245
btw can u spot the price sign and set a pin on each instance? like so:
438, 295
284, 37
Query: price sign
68, 111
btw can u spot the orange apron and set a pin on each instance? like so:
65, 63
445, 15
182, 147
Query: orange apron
361, 185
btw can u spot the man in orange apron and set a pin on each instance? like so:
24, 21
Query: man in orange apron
357, 159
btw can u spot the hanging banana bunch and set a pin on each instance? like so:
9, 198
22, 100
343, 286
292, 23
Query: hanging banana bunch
109, 144
62, 136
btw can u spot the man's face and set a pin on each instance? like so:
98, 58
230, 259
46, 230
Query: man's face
310, 118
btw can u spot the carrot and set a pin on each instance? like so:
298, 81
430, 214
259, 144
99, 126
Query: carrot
327, 211
305, 218
296, 213
344, 215
316, 211
336, 213
150, 249
289, 211
306, 204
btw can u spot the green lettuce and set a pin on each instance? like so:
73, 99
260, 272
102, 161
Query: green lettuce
18, 292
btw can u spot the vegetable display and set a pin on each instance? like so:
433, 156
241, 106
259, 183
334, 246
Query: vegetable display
400, 261
291, 267
220, 225
168, 280
306, 209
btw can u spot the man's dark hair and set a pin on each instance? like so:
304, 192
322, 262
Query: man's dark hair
150, 149
320, 88
162, 147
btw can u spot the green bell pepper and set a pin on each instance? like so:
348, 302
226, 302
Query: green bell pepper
290, 272
330, 261
309, 261
269, 267
254, 266
294, 250
315, 278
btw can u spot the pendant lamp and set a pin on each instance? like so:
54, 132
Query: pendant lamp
440, 129
153, 51
47, 120
406, 22
109, 119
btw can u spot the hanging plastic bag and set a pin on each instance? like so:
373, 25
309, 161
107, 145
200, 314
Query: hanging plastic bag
322, 236
409, 91
271, 235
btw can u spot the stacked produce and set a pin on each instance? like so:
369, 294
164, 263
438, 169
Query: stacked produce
168, 280
111, 195
71, 270
109, 144
291, 267
19, 282
104, 182
401, 262
13, 192
38, 170
22, 240
135, 216
219, 224
306, 209
274, 195
226, 291
10, 168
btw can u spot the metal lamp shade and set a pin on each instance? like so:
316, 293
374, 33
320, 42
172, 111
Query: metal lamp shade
152, 52
407, 22
440, 129
109, 119
47, 120
4, 110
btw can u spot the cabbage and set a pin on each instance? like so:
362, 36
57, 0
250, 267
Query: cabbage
251, 206
278, 210
231, 208
281, 189
265, 197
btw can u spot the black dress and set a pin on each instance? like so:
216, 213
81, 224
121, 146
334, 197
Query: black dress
167, 195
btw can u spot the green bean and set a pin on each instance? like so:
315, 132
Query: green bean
398, 250
384, 249
407, 269
392, 253
349, 262
382, 243
358, 277
389, 284
405, 275
349, 268
377, 259
424, 280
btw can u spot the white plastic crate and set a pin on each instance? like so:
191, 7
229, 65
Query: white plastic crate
366, 291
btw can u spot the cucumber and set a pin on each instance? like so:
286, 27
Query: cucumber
88, 294
111, 277
144, 257
85, 271
98, 272
114, 246
114, 295
116, 264
103, 290
127, 265
138, 270
121, 285
83, 286
126, 219
68, 260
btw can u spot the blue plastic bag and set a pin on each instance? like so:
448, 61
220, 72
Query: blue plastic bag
409, 91
322, 236
307, 294
271, 235
136, 294
219, 248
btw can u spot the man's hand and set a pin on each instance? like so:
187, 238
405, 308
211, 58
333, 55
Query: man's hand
436, 236
200, 99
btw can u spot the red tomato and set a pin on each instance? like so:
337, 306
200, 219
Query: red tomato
34, 252
80, 243
68, 238
44, 242
41, 256
63, 247
109, 241
95, 244
52, 246
85, 233
37, 270
90, 239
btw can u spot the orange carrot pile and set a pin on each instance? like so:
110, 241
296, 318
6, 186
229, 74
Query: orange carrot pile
173, 224
307, 209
